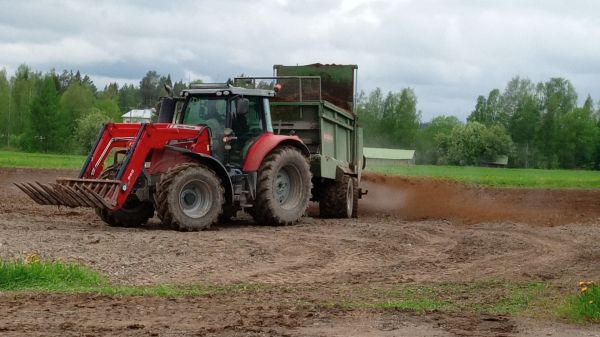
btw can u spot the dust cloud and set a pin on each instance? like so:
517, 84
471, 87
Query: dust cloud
425, 198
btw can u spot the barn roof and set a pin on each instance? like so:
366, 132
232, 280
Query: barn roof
380, 153
138, 113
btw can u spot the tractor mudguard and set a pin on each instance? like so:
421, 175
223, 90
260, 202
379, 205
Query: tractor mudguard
265, 144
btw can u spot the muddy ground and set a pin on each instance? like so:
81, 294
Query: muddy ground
410, 232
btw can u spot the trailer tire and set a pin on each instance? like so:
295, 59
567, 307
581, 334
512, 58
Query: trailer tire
133, 214
192, 198
283, 188
337, 198
355, 197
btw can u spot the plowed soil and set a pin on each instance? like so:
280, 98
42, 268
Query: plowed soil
409, 231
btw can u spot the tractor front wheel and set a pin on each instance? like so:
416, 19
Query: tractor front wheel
133, 214
283, 188
190, 197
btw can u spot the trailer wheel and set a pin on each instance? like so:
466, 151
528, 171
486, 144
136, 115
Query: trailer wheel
283, 188
355, 198
192, 198
337, 198
133, 214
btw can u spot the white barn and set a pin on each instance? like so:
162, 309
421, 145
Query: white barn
138, 116
388, 157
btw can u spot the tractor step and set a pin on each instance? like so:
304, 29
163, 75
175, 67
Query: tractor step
96, 193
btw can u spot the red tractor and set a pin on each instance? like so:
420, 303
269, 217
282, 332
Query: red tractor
212, 153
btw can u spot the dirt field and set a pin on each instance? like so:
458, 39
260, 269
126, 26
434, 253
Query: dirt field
413, 231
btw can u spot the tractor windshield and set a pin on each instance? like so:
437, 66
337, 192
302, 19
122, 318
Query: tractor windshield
209, 111
200, 110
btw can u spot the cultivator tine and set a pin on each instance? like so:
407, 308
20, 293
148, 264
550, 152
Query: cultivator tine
72, 200
40, 194
74, 194
24, 188
54, 197
95, 193
91, 196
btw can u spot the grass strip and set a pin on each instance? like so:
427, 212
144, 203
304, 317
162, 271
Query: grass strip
52, 276
584, 306
500, 177
489, 297
35, 275
40, 160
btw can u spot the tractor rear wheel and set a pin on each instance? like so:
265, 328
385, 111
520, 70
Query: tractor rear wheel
133, 214
337, 198
283, 188
190, 197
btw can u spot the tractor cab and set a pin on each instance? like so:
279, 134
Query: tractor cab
235, 116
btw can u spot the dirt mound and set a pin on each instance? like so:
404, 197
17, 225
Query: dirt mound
424, 198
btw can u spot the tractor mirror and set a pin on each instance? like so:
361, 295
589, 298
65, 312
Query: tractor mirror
242, 106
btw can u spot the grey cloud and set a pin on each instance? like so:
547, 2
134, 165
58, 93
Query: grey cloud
448, 51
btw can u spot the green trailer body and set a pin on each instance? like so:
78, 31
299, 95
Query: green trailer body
316, 102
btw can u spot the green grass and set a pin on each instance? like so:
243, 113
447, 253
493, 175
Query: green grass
40, 160
501, 177
490, 297
417, 298
51, 276
584, 306
73, 278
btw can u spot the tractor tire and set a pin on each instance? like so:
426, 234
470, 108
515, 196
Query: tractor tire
337, 198
283, 188
160, 197
190, 197
133, 214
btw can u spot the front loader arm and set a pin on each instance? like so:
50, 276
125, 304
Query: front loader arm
140, 139
152, 137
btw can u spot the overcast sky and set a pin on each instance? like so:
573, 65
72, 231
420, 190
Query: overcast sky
448, 51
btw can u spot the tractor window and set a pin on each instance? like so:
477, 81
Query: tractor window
251, 124
200, 110
211, 112
246, 128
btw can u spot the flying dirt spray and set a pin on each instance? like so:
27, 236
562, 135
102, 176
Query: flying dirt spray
426, 198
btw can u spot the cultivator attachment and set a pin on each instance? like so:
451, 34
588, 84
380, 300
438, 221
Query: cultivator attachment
97, 193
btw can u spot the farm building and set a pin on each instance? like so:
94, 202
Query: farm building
498, 161
137, 116
388, 157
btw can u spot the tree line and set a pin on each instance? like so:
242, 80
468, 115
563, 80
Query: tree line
535, 125
62, 112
